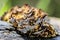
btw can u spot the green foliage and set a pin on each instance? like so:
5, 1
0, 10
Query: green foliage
4, 6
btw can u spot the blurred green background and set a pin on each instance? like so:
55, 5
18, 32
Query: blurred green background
52, 7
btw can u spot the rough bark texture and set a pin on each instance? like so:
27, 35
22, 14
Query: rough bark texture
12, 35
